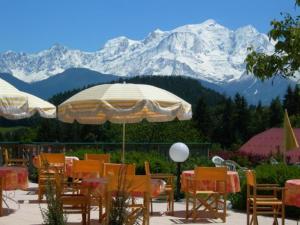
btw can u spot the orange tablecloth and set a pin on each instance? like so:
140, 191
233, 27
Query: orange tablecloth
233, 181
292, 192
14, 177
68, 161
157, 185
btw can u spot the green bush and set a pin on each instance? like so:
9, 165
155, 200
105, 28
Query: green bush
158, 162
80, 152
266, 173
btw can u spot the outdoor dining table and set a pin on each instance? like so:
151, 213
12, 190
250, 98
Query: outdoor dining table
292, 192
98, 184
14, 177
233, 181
97, 187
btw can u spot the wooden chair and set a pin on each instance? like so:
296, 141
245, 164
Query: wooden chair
207, 191
86, 169
121, 194
114, 169
1, 195
169, 188
12, 162
49, 165
263, 204
74, 203
103, 158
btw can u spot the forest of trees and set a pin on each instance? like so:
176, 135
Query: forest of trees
227, 122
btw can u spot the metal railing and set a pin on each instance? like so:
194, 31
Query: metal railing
29, 150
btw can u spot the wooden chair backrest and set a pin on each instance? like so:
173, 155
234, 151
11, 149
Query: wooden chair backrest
53, 158
83, 168
211, 173
114, 169
105, 158
1, 195
5, 156
130, 184
147, 168
251, 178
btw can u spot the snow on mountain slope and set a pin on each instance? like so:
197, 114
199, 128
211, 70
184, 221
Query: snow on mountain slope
206, 51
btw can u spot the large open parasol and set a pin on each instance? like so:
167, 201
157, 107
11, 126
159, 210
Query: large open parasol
15, 104
123, 103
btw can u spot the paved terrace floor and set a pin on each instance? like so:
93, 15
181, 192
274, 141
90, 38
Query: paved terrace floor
27, 212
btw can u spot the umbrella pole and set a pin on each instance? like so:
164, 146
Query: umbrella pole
123, 145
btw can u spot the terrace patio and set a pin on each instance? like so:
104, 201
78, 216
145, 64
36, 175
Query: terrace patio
27, 212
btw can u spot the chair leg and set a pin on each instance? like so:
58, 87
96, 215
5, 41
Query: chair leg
100, 209
248, 212
151, 206
254, 216
187, 206
83, 218
282, 214
1, 205
172, 202
88, 214
225, 208
194, 208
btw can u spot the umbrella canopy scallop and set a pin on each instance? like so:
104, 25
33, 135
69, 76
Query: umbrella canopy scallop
123, 103
15, 104
11, 100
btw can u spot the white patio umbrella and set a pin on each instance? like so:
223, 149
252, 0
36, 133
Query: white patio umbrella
123, 103
15, 104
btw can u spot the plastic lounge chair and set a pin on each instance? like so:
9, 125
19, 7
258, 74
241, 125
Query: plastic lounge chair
273, 161
218, 161
234, 166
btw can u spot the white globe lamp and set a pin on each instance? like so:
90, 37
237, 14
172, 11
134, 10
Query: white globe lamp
178, 152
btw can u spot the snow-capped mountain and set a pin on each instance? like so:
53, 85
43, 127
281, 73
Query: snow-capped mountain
206, 51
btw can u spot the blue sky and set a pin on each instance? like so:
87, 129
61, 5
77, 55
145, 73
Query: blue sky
34, 25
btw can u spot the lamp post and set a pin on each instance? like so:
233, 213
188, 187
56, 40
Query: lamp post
178, 152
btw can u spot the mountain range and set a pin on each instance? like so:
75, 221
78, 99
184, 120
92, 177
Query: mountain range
208, 52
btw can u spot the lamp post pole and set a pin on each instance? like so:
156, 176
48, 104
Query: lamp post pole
179, 152
178, 186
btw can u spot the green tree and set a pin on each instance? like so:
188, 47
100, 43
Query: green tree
202, 117
259, 120
276, 113
241, 118
297, 99
288, 101
285, 60
224, 129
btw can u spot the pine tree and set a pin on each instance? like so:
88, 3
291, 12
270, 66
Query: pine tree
202, 117
241, 118
288, 102
275, 113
